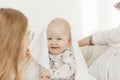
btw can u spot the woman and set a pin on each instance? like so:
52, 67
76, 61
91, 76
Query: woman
106, 66
14, 42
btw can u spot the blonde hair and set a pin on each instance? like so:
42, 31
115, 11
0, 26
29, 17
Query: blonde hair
117, 5
13, 26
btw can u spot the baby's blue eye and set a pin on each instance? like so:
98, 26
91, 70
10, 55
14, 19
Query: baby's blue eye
49, 38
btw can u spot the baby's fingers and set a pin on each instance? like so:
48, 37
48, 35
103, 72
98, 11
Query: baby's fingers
44, 75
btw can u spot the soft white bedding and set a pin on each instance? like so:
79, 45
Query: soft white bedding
103, 61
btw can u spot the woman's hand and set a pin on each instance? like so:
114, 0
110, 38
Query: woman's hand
27, 59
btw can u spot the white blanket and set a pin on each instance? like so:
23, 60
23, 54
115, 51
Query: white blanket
40, 56
107, 66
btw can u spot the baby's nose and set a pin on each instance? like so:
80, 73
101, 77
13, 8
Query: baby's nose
53, 42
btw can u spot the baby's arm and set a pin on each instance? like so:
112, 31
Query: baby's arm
66, 69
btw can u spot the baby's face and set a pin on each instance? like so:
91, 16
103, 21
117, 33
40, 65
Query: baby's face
58, 38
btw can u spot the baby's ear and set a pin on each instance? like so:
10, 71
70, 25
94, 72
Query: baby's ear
69, 40
69, 43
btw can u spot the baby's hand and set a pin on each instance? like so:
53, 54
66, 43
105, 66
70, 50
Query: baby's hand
45, 74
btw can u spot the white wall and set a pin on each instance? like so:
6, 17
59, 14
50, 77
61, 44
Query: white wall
40, 12
98, 15
109, 17
89, 16
115, 15
86, 16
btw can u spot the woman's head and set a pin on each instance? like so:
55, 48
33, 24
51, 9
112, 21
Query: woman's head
117, 5
13, 31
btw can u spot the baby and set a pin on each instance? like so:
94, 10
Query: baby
62, 63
